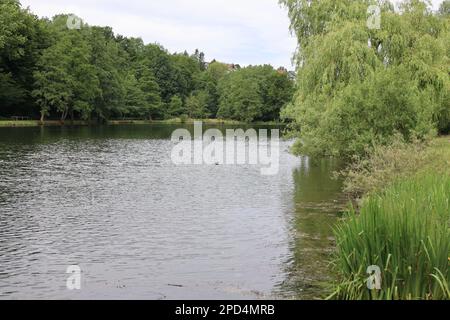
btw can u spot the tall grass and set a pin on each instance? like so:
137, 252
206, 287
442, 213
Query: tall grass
405, 231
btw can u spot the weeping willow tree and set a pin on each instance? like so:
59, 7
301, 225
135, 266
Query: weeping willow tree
360, 86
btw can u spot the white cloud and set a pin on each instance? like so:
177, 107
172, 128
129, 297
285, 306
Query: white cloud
238, 31
235, 31
434, 3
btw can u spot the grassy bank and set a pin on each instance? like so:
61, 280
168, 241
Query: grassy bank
191, 121
19, 123
401, 225
174, 121
36, 123
398, 161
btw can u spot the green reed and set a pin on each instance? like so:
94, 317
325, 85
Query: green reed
405, 231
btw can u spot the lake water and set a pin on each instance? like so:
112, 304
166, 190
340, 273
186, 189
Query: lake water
110, 200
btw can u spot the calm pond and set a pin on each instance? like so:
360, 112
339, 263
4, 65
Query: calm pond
110, 200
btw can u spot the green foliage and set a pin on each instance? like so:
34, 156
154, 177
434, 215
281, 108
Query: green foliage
216, 71
66, 80
135, 102
21, 36
158, 60
150, 87
208, 81
49, 69
240, 98
403, 230
197, 105
10, 91
358, 87
199, 58
444, 8
315, 18
254, 94
175, 107
184, 74
107, 59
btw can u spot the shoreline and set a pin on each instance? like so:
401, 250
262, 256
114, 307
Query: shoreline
57, 123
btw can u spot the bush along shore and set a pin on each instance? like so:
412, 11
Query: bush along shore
52, 123
37, 123
400, 226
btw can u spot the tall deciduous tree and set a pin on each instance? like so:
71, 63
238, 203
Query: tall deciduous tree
66, 80
152, 96
197, 105
175, 107
22, 38
107, 59
254, 94
346, 68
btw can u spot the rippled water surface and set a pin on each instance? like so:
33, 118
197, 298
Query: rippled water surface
110, 200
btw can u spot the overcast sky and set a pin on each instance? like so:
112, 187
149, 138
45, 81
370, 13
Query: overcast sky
233, 31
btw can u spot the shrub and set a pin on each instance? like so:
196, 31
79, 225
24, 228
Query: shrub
184, 118
399, 160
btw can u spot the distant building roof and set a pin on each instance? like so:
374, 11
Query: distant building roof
282, 70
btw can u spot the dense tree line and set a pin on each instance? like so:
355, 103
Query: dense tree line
361, 86
49, 70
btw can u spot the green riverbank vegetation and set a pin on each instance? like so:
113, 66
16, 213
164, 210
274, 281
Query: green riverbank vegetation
394, 162
378, 97
181, 120
51, 71
401, 224
404, 230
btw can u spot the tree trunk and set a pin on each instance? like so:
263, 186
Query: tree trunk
64, 115
72, 116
